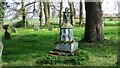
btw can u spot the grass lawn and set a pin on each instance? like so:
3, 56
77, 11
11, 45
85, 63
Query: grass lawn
27, 45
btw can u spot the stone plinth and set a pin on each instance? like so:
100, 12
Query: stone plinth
67, 46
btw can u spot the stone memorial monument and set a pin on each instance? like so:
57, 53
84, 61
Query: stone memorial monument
67, 44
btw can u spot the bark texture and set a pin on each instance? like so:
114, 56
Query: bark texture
23, 14
47, 13
93, 27
71, 4
60, 14
40, 15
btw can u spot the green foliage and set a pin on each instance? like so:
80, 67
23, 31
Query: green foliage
20, 24
67, 60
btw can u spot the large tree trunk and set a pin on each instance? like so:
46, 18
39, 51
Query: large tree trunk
93, 27
99, 26
81, 13
60, 14
71, 4
47, 13
23, 14
40, 15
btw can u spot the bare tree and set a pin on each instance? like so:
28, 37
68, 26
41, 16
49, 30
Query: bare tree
2, 12
23, 11
40, 14
71, 4
81, 13
47, 13
23, 14
60, 14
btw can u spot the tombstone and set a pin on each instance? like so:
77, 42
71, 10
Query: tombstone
50, 27
67, 45
36, 26
13, 29
1, 49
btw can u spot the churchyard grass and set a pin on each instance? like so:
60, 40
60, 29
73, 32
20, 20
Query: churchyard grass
27, 46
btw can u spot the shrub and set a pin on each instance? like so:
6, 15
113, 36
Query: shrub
20, 24
5, 26
68, 60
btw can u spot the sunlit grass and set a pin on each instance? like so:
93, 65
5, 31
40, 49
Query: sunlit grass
27, 45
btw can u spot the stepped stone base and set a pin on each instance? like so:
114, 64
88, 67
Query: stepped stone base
67, 47
61, 53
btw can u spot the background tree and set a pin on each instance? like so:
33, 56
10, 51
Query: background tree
23, 11
93, 27
23, 14
2, 12
71, 4
81, 13
60, 14
40, 14
47, 12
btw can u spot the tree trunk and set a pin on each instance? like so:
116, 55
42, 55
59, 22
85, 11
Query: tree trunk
23, 14
81, 13
60, 14
48, 5
47, 13
93, 27
1, 12
40, 15
99, 26
71, 4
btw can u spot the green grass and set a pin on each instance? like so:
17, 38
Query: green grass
27, 46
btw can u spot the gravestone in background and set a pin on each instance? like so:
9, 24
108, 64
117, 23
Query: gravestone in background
36, 26
13, 29
50, 27
67, 45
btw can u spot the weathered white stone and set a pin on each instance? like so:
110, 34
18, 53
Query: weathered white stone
67, 34
1, 49
69, 47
